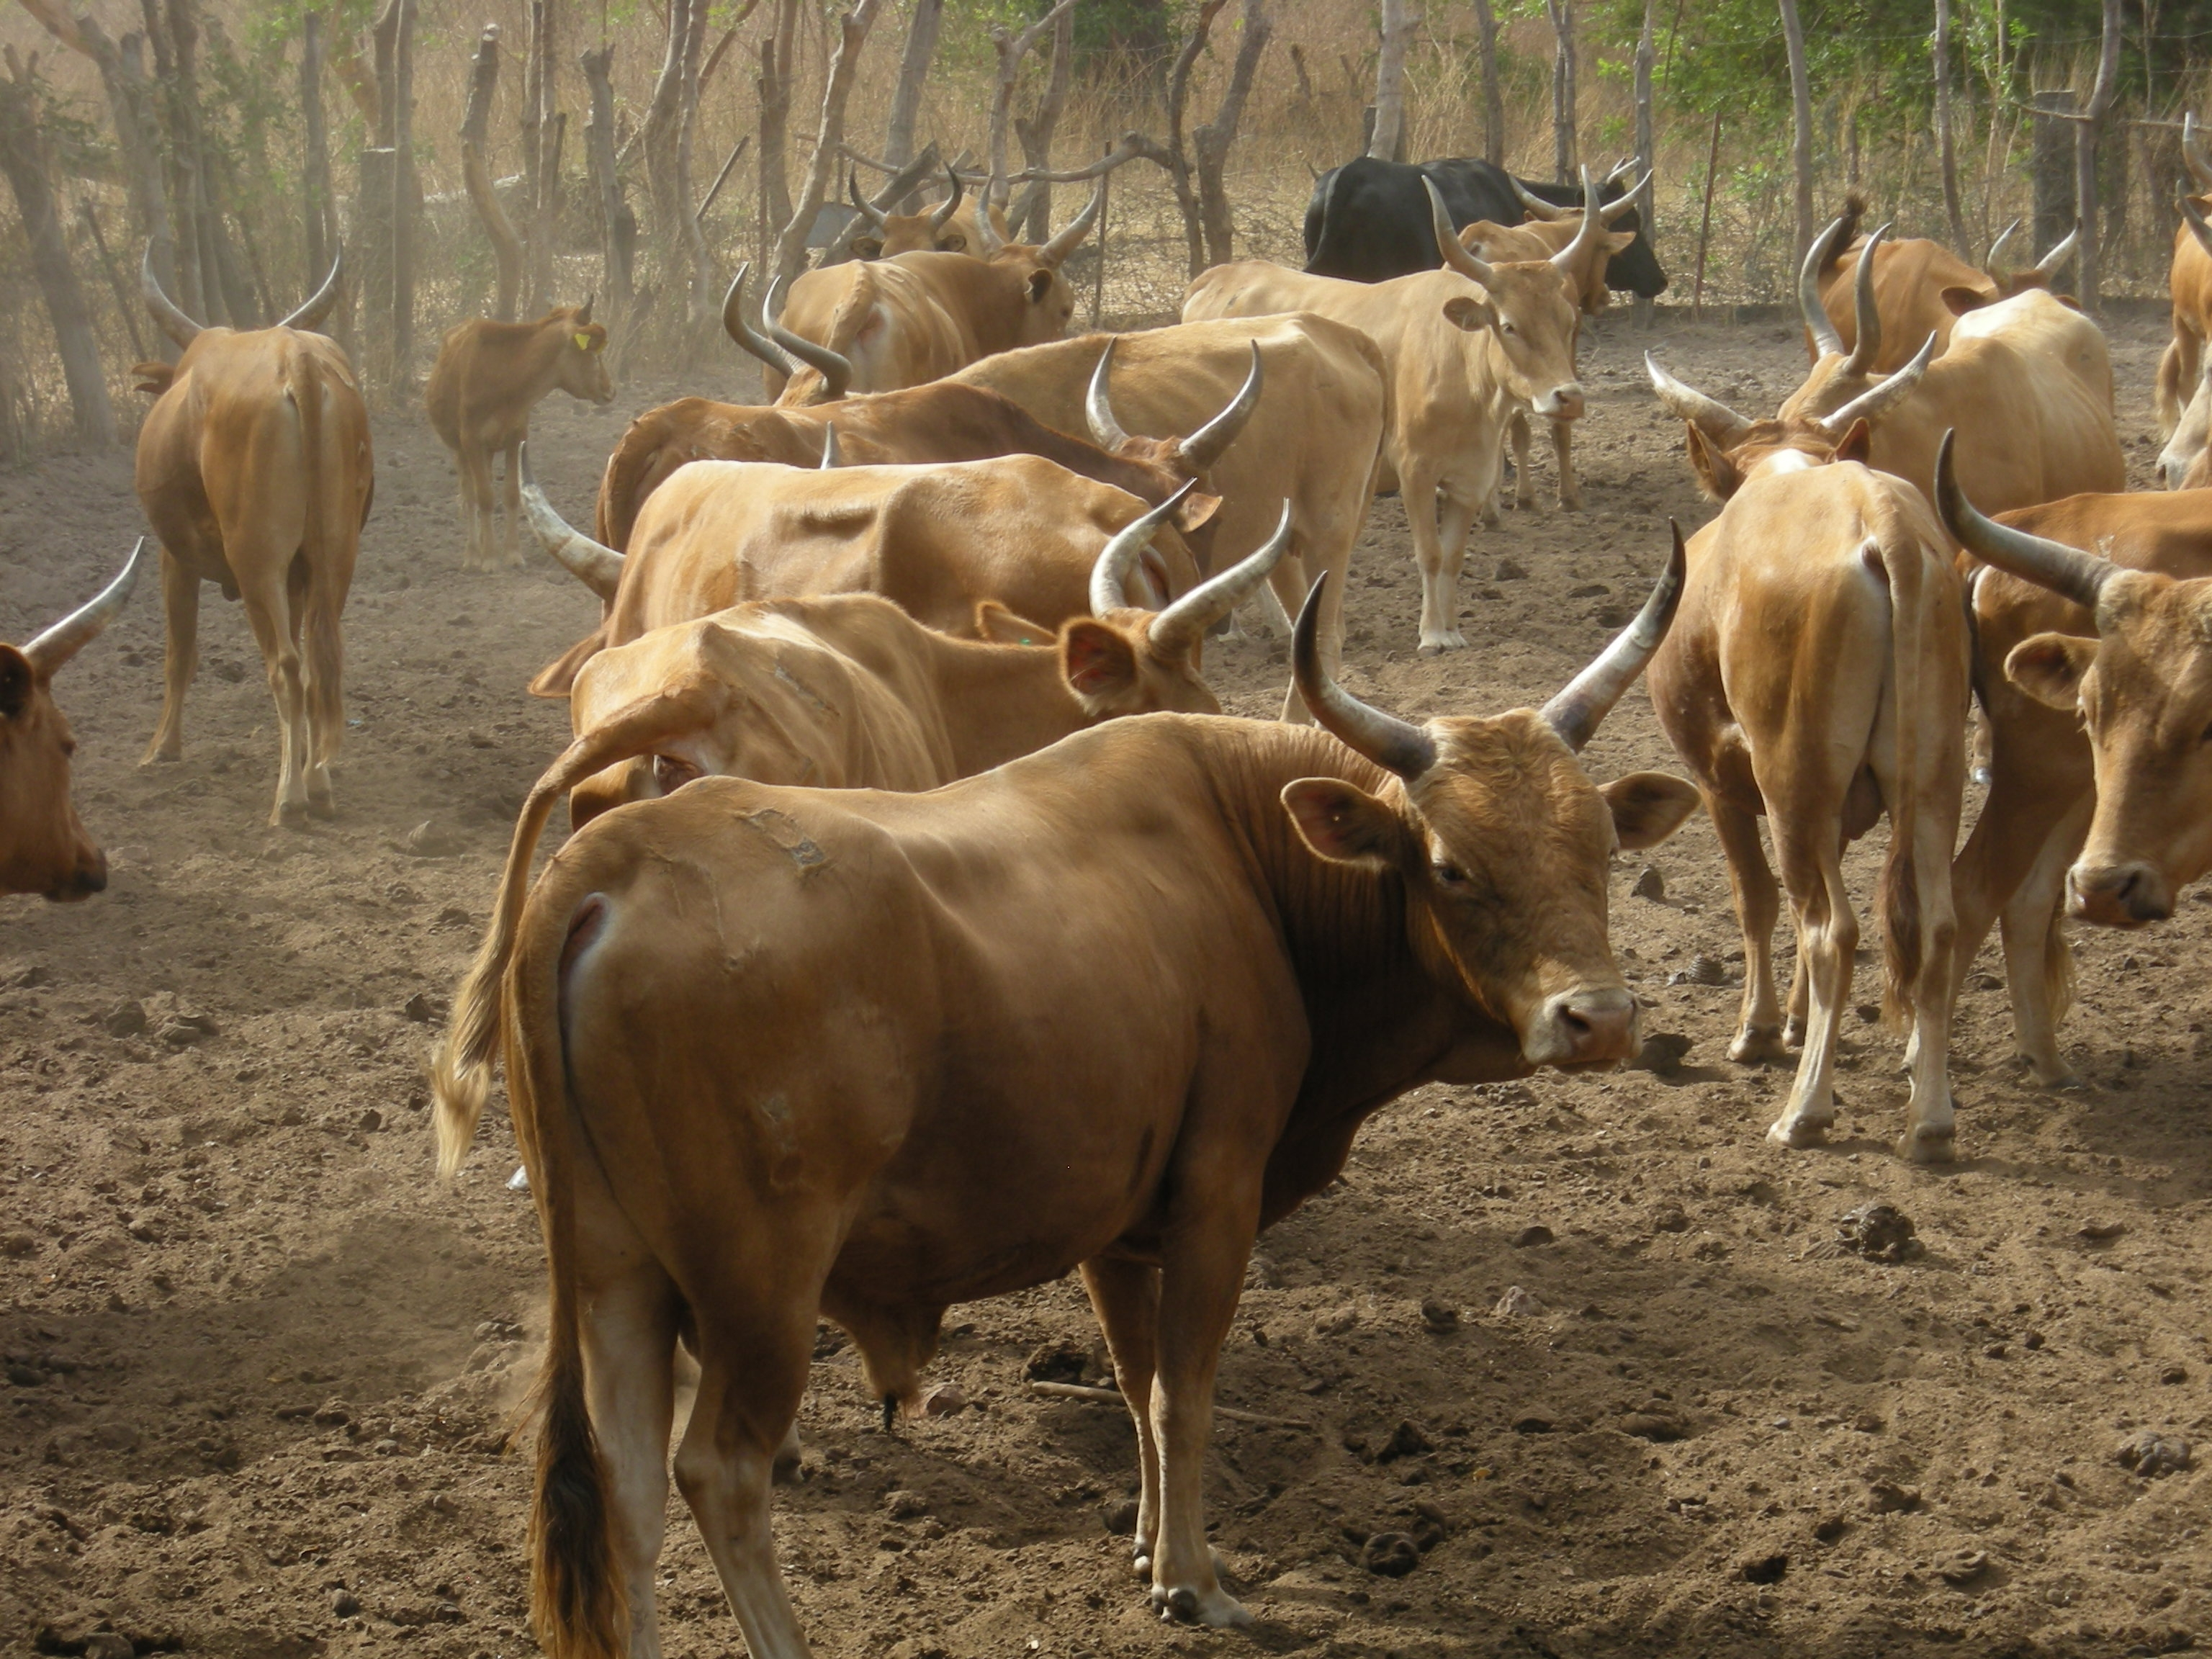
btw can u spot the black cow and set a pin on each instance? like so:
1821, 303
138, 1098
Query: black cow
1368, 220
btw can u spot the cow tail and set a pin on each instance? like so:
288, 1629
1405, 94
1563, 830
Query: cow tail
854, 310
2058, 963
1894, 554
577, 1603
460, 1070
324, 598
1854, 215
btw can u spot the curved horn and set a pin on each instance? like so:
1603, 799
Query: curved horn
1866, 316
735, 326
1569, 258
951, 204
1183, 624
1203, 447
830, 455
2192, 152
175, 324
1098, 404
1709, 415
1877, 400
597, 566
1990, 263
987, 240
1394, 744
1070, 236
1448, 248
1587, 698
1110, 576
2193, 218
837, 371
1611, 211
867, 211
1622, 169
76, 630
2049, 264
1825, 341
309, 316
2066, 571
1538, 208
584, 311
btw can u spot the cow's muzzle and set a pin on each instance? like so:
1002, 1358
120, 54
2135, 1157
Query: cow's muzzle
1583, 1028
89, 877
1561, 403
2130, 894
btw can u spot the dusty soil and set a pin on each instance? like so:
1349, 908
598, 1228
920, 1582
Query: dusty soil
257, 1363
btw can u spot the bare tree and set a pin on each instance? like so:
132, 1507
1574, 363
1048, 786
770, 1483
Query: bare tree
914, 71
2087, 132
315, 165
23, 159
1647, 143
1209, 143
1564, 156
544, 128
776, 54
1493, 97
1388, 140
1801, 121
1036, 132
1946, 144
475, 174
1206, 223
665, 137
836, 90
617, 224
403, 196
1012, 49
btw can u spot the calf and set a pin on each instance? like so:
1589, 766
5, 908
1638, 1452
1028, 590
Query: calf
44, 848
488, 378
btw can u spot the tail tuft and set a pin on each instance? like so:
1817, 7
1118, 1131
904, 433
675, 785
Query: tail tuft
1854, 216
2057, 966
1897, 901
576, 1596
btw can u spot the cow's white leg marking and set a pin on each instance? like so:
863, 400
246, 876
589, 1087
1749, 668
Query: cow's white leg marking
1827, 935
476, 501
1126, 1297
262, 586
1439, 559
180, 613
1758, 903
510, 526
2034, 938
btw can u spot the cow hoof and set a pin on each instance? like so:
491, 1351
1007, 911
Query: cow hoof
289, 815
1756, 1045
1437, 644
2056, 1074
322, 806
1927, 1145
1141, 1565
162, 756
1573, 504
1806, 1131
1215, 1608
1793, 1032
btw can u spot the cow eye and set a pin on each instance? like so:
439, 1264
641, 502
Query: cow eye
671, 775
1448, 875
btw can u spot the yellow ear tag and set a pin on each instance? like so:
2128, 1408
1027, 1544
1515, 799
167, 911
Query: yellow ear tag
583, 341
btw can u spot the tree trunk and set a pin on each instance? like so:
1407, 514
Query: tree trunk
914, 71
126, 299
315, 165
657, 135
1173, 158
1036, 132
690, 236
24, 161
1647, 143
1564, 156
618, 227
1209, 143
1801, 122
1389, 142
836, 90
777, 52
1012, 49
475, 171
2087, 135
1493, 98
1946, 140
551, 127
403, 202
372, 250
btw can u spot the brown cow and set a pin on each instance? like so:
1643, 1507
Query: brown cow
2189, 283
44, 848
1921, 287
948, 227
1117, 1006
917, 317
488, 378
255, 471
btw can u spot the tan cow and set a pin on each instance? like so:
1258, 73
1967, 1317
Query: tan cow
916, 316
44, 848
1117, 1006
1466, 349
488, 378
2027, 382
1921, 287
255, 471
1817, 676
938, 540
948, 227
2189, 283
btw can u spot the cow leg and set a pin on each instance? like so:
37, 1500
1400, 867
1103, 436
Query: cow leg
475, 502
1828, 938
2038, 964
276, 632
2177, 378
1126, 1297
1524, 477
1917, 896
1758, 903
1562, 452
510, 528
1439, 555
180, 614
1793, 1028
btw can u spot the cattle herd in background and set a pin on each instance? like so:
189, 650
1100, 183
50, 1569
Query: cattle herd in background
862, 677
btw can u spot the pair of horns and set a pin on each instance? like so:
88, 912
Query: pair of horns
1611, 211
782, 350
2045, 268
2066, 571
1064, 242
1194, 453
876, 217
1458, 257
54, 647
1177, 631
183, 331
1575, 712
1886, 394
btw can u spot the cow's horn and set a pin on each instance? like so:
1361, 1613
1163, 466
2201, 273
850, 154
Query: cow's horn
599, 568
1204, 446
951, 204
1394, 744
1611, 211
830, 455
1098, 403
987, 230
2193, 218
2049, 264
175, 324
1110, 577
1884, 395
1537, 206
1866, 315
1569, 258
868, 212
1182, 624
2066, 571
1070, 236
309, 316
735, 326
2192, 152
584, 311
1992, 265
1587, 698
835, 369
1709, 415
1826, 342
1453, 252
75, 631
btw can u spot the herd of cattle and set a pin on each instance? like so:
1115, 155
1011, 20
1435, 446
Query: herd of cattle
888, 965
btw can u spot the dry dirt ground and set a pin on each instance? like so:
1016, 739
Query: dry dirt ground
258, 1363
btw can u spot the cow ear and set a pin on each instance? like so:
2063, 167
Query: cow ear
1097, 660
1040, 285
18, 679
2048, 667
1342, 823
953, 241
1648, 807
1718, 476
1618, 241
1465, 310
1197, 509
996, 625
1960, 299
1857, 444
868, 247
